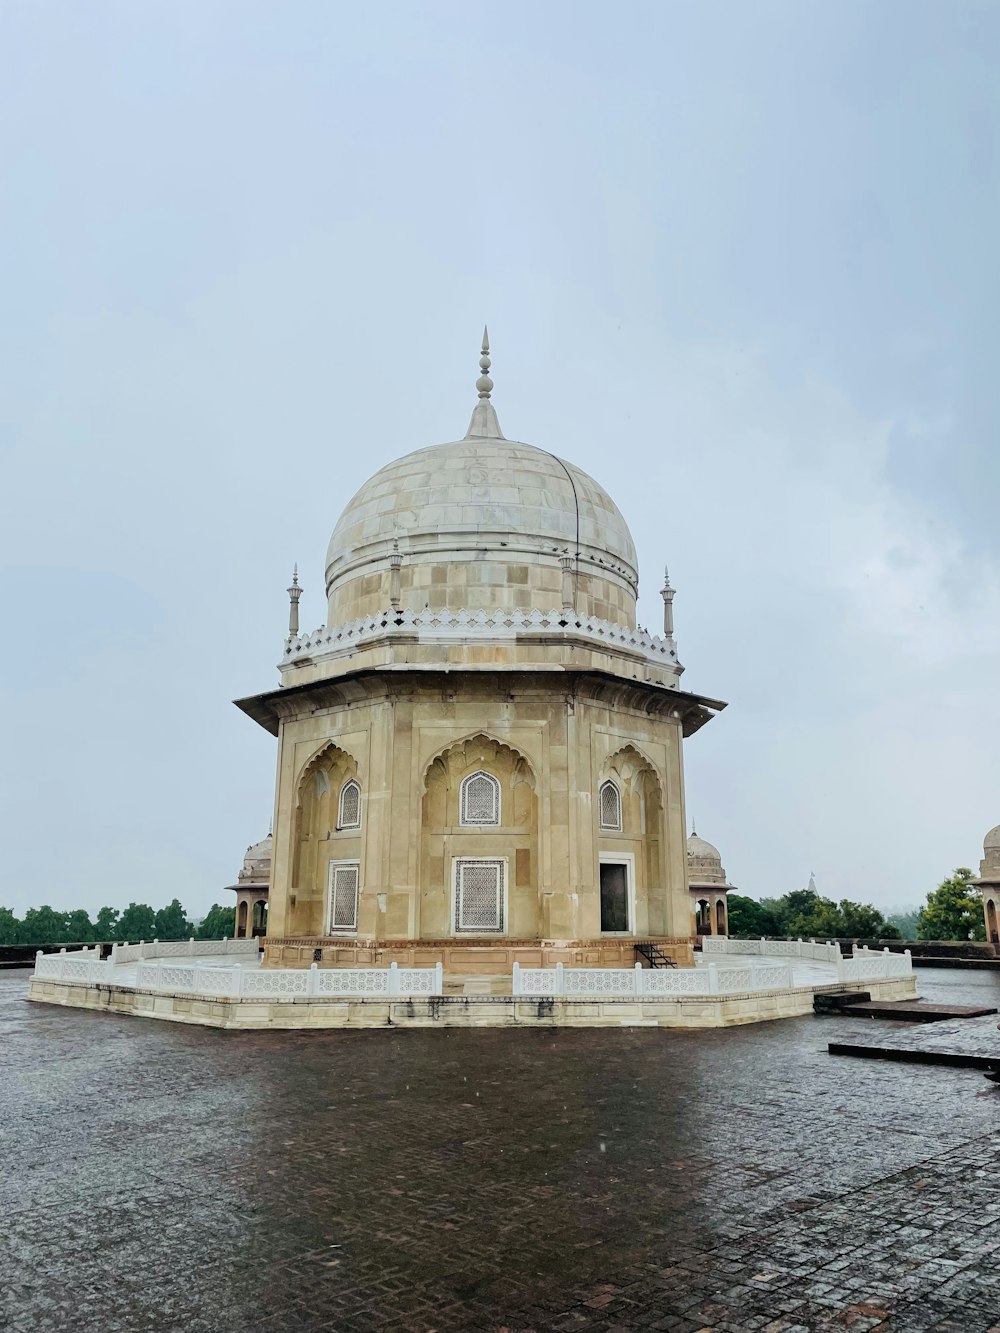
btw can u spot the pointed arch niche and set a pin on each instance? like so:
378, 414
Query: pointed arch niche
630, 857
450, 844
317, 839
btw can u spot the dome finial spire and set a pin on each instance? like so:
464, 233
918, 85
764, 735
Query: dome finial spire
484, 384
484, 424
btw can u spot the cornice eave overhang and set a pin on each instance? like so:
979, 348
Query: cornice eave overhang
691, 710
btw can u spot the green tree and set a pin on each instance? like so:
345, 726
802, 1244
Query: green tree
954, 910
750, 919
805, 914
220, 923
862, 921
43, 925
79, 927
138, 923
171, 923
905, 922
10, 927
106, 927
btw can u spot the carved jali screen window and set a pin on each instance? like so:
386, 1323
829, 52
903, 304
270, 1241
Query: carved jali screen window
349, 814
610, 807
479, 893
480, 799
344, 883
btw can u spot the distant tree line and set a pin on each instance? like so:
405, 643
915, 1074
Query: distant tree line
953, 911
44, 925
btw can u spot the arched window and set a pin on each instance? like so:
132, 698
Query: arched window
610, 804
349, 810
480, 799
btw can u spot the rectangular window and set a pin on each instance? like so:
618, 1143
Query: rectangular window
345, 879
479, 894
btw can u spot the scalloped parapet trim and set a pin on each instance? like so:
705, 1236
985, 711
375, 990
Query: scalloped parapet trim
330, 640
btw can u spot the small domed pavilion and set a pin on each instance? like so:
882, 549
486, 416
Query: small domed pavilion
707, 887
988, 884
251, 889
479, 753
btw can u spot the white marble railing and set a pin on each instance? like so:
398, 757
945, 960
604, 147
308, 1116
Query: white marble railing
625, 982
81, 965
193, 978
865, 964
499, 624
134, 953
820, 953
871, 965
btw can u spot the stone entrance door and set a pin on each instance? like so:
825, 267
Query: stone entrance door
614, 896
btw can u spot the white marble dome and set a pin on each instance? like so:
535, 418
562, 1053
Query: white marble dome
257, 862
481, 523
704, 862
700, 850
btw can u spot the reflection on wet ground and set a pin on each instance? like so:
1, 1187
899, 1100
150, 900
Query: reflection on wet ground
161, 1177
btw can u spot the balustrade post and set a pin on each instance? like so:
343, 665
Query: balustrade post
637, 974
713, 978
515, 978
560, 981
393, 983
191, 946
312, 981
439, 978
239, 980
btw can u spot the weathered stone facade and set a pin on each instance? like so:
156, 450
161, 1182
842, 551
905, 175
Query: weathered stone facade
506, 745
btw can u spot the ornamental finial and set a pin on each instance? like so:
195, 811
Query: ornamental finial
484, 384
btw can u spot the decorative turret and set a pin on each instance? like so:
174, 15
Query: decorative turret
667, 593
294, 593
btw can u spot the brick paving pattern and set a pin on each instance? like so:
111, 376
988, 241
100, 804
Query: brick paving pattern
160, 1177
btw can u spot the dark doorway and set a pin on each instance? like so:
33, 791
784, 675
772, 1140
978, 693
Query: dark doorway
614, 896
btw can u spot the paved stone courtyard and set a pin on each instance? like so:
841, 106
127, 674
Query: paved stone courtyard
161, 1177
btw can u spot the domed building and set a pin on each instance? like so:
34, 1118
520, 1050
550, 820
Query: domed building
707, 887
479, 753
251, 889
988, 884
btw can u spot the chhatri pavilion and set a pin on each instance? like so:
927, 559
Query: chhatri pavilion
988, 885
480, 753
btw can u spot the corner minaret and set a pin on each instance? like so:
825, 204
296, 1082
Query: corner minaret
667, 593
484, 424
294, 593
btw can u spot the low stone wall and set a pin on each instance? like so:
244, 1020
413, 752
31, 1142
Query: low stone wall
453, 1011
468, 958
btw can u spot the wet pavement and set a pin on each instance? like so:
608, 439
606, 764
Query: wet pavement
162, 1177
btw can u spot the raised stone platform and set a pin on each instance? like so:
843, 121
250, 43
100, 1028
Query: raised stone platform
444, 1011
970, 1043
908, 1011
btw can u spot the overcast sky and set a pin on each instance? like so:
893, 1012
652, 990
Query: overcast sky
738, 262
